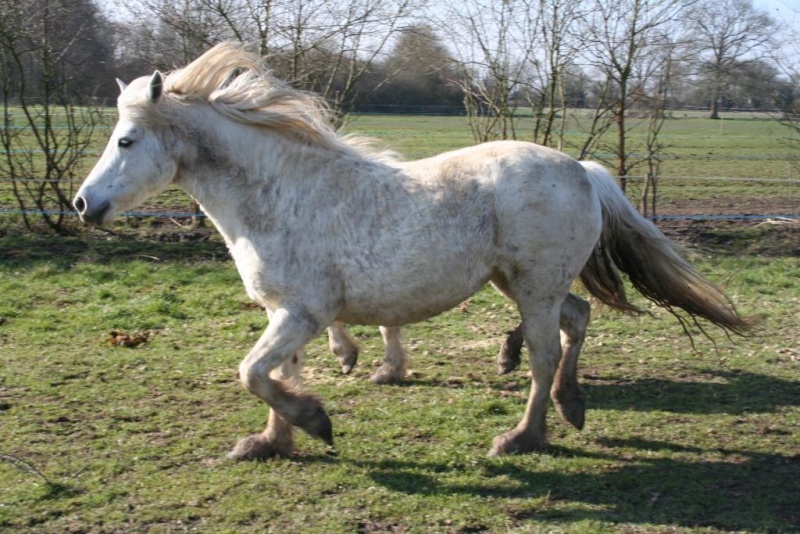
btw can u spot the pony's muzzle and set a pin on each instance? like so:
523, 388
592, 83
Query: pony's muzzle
91, 214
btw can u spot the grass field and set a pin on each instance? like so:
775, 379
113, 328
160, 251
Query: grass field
101, 438
734, 147
755, 150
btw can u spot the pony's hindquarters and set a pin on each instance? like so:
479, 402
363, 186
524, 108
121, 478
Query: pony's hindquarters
632, 244
548, 228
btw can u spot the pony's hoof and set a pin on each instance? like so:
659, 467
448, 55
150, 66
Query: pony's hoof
388, 375
258, 447
571, 407
505, 365
348, 362
515, 442
307, 412
510, 353
319, 426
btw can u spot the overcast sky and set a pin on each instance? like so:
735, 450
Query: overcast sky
787, 11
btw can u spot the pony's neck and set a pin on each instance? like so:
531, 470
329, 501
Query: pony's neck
235, 172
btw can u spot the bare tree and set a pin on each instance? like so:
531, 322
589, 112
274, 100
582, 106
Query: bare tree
320, 45
175, 32
44, 133
619, 36
419, 71
557, 48
728, 32
494, 49
601, 119
667, 60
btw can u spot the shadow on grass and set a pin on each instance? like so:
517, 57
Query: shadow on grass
745, 491
733, 490
26, 249
710, 392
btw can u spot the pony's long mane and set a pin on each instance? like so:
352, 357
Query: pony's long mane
238, 85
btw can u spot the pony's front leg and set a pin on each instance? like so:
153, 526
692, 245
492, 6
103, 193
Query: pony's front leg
544, 348
343, 346
393, 369
271, 372
278, 438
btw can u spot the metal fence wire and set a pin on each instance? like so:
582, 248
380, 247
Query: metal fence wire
678, 197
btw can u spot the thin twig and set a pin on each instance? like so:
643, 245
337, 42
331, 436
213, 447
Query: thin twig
24, 466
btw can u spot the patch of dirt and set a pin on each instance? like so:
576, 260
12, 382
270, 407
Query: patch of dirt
770, 238
773, 237
157, 238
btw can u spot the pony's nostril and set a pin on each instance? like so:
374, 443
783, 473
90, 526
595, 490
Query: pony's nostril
94, 213
79, 204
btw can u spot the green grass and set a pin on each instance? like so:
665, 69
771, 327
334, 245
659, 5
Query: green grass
752, 147
133, 439
694, 146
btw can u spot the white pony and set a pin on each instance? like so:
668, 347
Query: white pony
323, 230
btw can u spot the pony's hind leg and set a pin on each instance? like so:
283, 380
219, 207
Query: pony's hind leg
393, 369
540, 324
271, 372
343, 346
568, 398
510, 352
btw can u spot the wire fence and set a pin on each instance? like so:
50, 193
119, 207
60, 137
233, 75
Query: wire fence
677, 198
742, 196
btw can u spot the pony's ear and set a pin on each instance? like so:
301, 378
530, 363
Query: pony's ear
122, 85
155, 88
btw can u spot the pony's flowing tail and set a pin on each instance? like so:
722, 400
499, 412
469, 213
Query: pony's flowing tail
632, 244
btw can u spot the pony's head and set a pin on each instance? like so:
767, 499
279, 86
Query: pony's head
138, 160
152, 142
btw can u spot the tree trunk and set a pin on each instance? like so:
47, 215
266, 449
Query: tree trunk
714, 104
622, 170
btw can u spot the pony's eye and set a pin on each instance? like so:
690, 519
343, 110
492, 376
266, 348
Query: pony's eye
124, 142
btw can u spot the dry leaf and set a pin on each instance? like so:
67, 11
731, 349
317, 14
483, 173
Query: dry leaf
122, 339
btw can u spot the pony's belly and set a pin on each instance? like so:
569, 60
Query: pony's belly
397, 308
420, 283
394, 315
